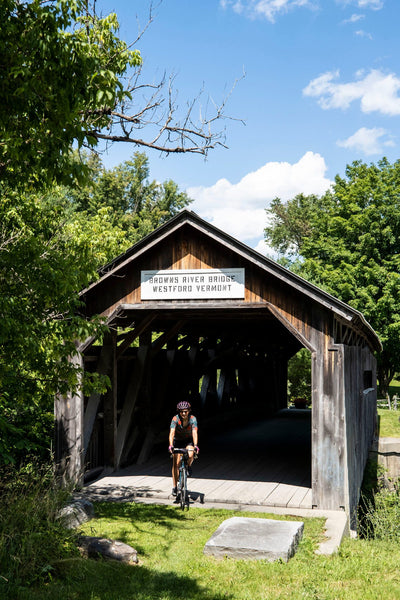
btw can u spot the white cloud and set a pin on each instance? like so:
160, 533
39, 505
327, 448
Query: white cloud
376, 91
373, 4
263, 248
362, 33
270, 9
353, 19
367, 4
367, 141
239, 208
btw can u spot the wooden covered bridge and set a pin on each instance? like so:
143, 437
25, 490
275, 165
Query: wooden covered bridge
195, 314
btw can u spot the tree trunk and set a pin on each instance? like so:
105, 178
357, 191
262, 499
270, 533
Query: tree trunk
385, 376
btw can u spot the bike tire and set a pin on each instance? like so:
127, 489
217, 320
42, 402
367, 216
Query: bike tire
183, 485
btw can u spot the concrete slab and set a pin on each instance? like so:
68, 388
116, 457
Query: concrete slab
249, 538
386, 452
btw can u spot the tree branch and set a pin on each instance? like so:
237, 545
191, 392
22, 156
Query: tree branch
174, 132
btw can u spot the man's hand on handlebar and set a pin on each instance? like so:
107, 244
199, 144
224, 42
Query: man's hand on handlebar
171, 449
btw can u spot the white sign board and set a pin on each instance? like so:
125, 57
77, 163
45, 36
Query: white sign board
185, 284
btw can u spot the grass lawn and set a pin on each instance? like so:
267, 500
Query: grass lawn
388, 423
388, 420
172, 565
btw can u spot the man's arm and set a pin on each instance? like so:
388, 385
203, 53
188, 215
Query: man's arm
171, 437
195, 436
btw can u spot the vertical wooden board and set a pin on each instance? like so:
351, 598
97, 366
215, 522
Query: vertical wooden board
360, 419
328, 431
221, 386
68, 412
110, 407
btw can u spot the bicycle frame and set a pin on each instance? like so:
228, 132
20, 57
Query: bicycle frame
182, 492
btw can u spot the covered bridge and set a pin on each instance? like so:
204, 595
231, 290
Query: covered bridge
195, 314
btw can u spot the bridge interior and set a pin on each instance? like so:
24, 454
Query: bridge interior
231, 363
261, 461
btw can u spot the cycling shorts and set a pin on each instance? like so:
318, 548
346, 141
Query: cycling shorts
183, 442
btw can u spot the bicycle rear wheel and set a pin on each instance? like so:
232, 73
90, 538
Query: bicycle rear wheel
183, 489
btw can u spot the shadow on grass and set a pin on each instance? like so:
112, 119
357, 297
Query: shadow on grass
87, 579
139, 513
169, 518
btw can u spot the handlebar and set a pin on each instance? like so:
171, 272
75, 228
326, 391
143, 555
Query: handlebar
183, 451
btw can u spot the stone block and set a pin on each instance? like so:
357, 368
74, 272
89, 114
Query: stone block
76, 513
386, 452
95, 547
249, 538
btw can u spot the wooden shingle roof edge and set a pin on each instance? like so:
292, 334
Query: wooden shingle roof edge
188, 217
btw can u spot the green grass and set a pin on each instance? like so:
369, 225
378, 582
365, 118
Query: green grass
32, 538
172, 565
388, 423
394, 387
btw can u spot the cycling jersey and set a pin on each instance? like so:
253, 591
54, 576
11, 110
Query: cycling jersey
181, 432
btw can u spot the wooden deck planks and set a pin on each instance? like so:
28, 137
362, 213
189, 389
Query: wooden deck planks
262, 475
266, 493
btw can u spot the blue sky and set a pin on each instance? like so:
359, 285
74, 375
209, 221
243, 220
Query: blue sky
321, 89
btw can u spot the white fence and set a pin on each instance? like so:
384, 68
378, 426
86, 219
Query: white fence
390, 403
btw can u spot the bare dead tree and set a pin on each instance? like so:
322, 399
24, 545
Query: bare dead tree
154, 119
167, 128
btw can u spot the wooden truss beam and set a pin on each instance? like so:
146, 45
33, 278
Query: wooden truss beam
140, 328
167, 336
130, 400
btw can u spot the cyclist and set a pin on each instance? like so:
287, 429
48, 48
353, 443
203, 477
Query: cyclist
183, 433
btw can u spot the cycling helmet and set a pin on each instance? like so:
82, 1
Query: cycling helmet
183, 406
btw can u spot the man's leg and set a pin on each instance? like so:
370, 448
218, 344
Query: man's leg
175, 467
190, 449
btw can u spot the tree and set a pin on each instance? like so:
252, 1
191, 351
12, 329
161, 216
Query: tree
349, 245
299, 375
291, 223
138, 205
51, 245
42, 268
63, 80
63, 85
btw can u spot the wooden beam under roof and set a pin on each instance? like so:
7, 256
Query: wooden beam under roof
140, 328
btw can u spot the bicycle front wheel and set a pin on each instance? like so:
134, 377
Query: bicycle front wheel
183, 489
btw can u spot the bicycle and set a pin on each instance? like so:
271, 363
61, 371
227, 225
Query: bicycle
182, 491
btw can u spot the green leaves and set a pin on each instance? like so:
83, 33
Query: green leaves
349, 245
42, 268
51, 246
62, 73
126, 202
